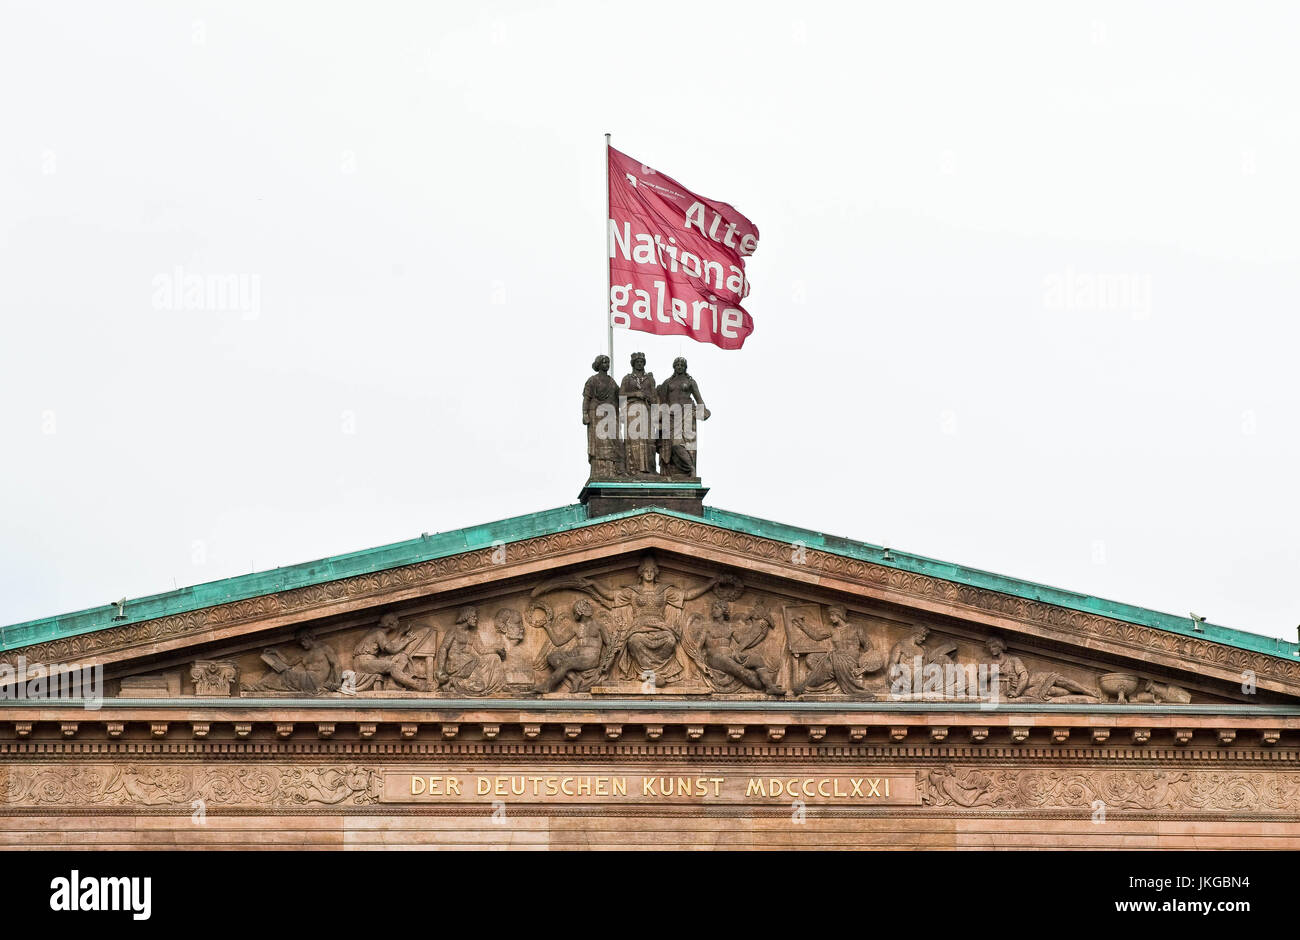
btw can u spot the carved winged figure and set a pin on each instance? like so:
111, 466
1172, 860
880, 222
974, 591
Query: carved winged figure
645, 643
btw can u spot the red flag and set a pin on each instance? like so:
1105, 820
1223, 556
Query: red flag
676, 259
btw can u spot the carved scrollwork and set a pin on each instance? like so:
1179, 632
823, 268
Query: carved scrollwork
160, 784
1155, 790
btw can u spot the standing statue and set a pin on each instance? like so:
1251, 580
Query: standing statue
677, 433
600, 415
639, 395
466, 664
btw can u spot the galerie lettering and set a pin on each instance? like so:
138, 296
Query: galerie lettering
76, 893
653, 250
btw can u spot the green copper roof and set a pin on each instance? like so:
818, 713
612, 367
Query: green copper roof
551, 521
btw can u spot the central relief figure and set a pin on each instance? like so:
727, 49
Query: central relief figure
645, 628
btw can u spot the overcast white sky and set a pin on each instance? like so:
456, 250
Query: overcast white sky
1025, 300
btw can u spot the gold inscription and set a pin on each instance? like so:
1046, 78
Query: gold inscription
588, 787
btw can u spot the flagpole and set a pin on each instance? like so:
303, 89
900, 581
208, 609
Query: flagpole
609, 317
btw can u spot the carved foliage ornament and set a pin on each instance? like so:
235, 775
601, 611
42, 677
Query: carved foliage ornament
1117, 789
163, 784
213, 678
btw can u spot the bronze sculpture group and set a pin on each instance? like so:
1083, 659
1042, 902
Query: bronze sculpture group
638, 429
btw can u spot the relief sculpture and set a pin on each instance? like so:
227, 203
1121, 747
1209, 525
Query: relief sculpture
659, 632
845, 666
518, 664
314, 672
1019, 684
213, 678
181, 785
384, 653
731, 652
575, 649
468, 664
946, 786
1119, 790
646, 623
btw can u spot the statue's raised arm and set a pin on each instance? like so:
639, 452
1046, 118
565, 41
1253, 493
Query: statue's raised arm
689, 594
596, 591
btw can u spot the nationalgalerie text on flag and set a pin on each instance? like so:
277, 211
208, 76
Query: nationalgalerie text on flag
676, 259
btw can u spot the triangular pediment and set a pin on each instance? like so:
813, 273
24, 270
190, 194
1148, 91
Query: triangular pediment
657, 604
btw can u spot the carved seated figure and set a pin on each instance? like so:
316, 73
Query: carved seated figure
315, 672
647, 646
467, 665
907, 658
848, 662
903, 654
734, 650
576, 650
382, 652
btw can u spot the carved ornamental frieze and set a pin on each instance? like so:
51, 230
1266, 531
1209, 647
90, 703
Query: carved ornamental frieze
649, 630
849, 672
945, 788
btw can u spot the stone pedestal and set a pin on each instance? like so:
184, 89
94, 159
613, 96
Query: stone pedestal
604, 499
